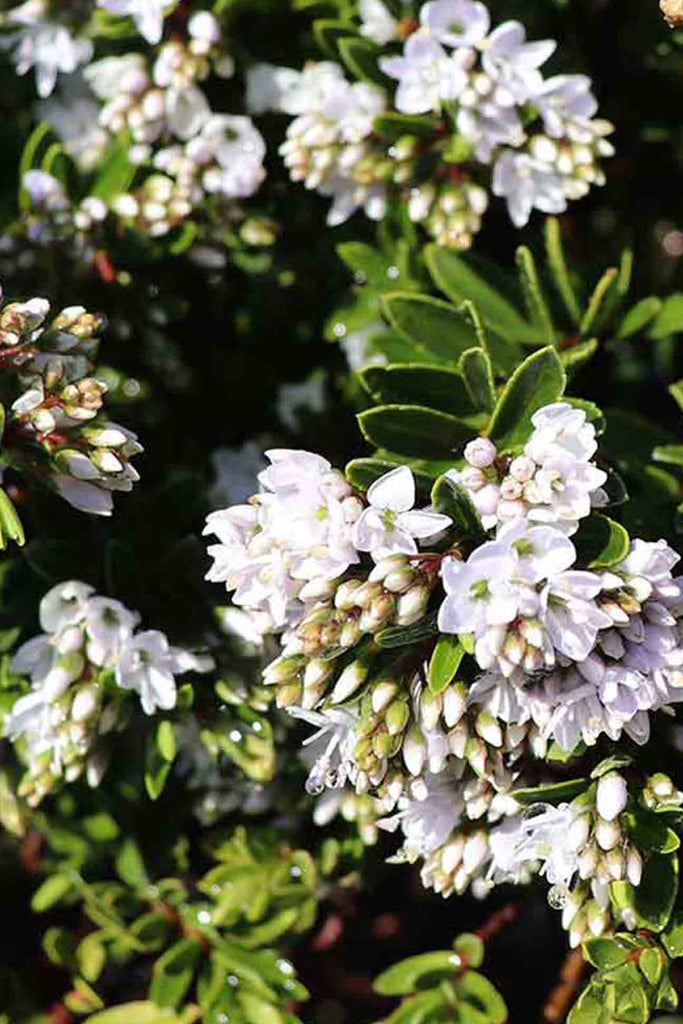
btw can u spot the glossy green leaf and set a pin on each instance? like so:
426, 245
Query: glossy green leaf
553, 793
576, 356
477, 372
444, 662
605, 953
558, 269
536, 302
417, 971
653, 900
669, 319
474, 988
52, 891
361, 56
539, 381
672, 936
432, 325
327, 33
142, 1013
600, 541
453, 500
414, 430
599, 296
91, 956
649, 832
400, 636
116, 172
669, 453
393, 126
173, 973
434, 387
639, 316
471, 948
130, 865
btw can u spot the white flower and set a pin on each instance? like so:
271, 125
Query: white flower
109, 625
527, 184
330, 747
64, 605
561, 430
377, 22
390, 525
456, 22
427, 823
508, 58
48, 47
542, 833
562, 99
426, 74
187, 110
146, 664
112, 76
269, 87
239, 149
570, 614
480, 592
148, 15
74, 116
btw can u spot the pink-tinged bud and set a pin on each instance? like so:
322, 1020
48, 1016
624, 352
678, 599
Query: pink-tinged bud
473, 479
414, 750
486, 500
510, 489
84, 704
411, 605
366, 594
458, 737
399, 580
345, 597
480, 452
607, 834
588, 862
612, 796
385, 566
451, 854
522, 468
317, 589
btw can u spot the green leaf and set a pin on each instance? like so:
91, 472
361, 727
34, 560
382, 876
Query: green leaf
550, 794
611, 764
471, 948
327, 33
173, 973
669, 453
165, 740
368, 265
616, 294
452, 500
653, 900
632, 1005
605, 954
257, 1010
432, 325
360, 56
417, 971
400, 636
459, 281
361, 473
130, 866
676, 392
10, 523
475, 367
536, 303
414, 430
141, 1013
393, 126
672, 936
649, 832
58, 944
102, 828
91, 956
473, 987
444, 662
652, 962
639, 316
504, 353
539, 381
669, 319
52, 891
596, 300
116, 172
558, 269
574, 358
600, 541
431, 386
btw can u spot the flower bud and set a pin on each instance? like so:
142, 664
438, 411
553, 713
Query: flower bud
634, 866
488, 728
396, 717
614, 863
383, 693
411, 605
475, 851
607, 834
480, 452
579, 830
353, 676
588, 862
612, 796
454, 703
414, 750
430, 709
84, 703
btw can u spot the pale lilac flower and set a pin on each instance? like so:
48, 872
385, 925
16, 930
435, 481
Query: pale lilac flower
390, 524
148, 15
527, 184
456, 22
427, 75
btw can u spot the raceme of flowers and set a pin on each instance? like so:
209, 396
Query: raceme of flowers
90, 653
184, 151
55, 431
364, 589
490, 108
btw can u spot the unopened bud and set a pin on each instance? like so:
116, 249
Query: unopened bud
396, 717
612, 796
454, 703
353, 676
634, 866
411, 605
607, 834
414, 750
480, 453
488, 728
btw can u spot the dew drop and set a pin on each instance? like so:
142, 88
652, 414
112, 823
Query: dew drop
393, 273
535, 811
235, 736
314, 787
339, 330
558, 896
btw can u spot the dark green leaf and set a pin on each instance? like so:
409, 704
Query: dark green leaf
475, 367
639, 316
327, 33
600, 541
669, 319
173, 973
393, 126
432, 325
360, 56
473, 987
414, 431
553, 793
535, 300
452, 500
434, 387
539, 381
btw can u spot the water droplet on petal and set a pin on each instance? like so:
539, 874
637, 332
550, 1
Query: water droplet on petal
558, 896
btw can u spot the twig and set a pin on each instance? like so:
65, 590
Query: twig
562, 996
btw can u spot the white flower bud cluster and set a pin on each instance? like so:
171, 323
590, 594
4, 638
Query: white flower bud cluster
568, 653
494, 108
54, 431
89, 653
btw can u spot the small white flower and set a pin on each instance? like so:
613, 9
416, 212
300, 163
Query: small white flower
390, 525
427, 75
456, 22
377, 22
146, 663
148, 15
527, 184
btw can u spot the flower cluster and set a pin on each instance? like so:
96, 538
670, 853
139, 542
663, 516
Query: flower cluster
487, 106
37, 41
371, 594
90, 653
55, 431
